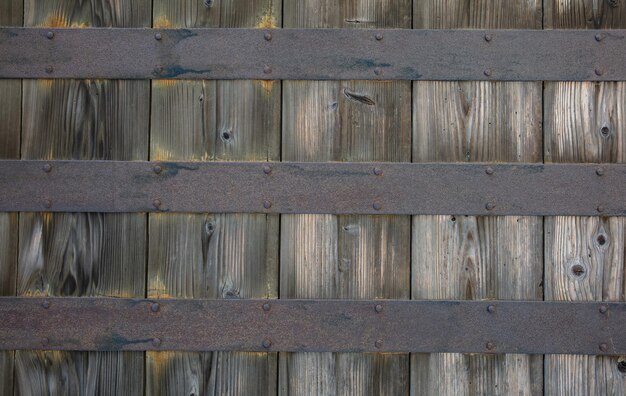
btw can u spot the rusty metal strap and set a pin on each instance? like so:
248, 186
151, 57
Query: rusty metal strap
313, 54
334, 188
109, 324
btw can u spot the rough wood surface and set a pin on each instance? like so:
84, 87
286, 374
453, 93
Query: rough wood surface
83, 254
11, 14
214, 256
461, 257
327, 256
585, 122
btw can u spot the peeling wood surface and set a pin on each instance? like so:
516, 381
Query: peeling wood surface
584, 256
83, 254
327, 256
214, 255
469, 257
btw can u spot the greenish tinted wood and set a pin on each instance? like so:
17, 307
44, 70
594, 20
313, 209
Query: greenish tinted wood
326, 256
585, 122
83, 254
11, 13
214, 256
461, 257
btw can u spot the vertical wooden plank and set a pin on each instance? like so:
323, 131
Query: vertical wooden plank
585, 122
83, 254
206, 255
325, 256
11, 13
465, 257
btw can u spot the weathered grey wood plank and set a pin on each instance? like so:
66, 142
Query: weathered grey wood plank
83, 254
327, 256
214, 256
11, 14
585, 122
465, 257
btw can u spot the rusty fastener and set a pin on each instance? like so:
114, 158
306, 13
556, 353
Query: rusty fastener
157, 169
378, 344
266, 307
377, 206
489, 171
600, 171
599, 71
487, 72
267, 70
47, 203
267, 343
378, 308
158, 36
47, 168
490, 206
491, 309
379, 36
45, 304
600, 208
488, 37
267, 169
267, 204
268, 36
155, 307
599, 37
157, 203
490, 346
603, 308
378, 171
50, 35
604, 347
156, 342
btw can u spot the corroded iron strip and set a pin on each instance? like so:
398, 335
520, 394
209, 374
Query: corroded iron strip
315, 54
335, 188
111, 324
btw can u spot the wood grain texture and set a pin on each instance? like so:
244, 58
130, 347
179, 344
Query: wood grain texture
327, 256
585, 122
464, 257
83, 254
11, 14
214, 256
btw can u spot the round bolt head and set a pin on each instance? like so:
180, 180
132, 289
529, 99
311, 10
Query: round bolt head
378, 71
490, 206
377, 206
599, 37
600, 171
267, 169
158, 36
600, 208
268, 36
47, 168
604, 347
157, 169
490, 346
603, 308
267, 204
599, 72
45, 304
489, 171
267, 70
378, 344
378, 308
378, 171
158, 70
157, 203
266, 307
155, 307
488, 37
47, 203
487, 72
491, 309
379, 36
50, 35
156, 342
49, 69
267, 343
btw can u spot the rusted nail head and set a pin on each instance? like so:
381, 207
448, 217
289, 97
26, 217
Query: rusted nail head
487, 72
491, 308
489, 171
378, 344
47, 168
378, 71
267, 169
49, 69
603, 308
50, 35
379, 36
158, 36
157, 169
267, 70
266, 306
157, 203
267, 343
604, 347
377, 206
45, 304
155, 307
378, 308
490, 346
488, 37
599, 72
156, 342
47, 203
268, 36
490, 206
378, 171
600, 171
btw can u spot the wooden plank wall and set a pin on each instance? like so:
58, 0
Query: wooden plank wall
585, 122
312, 256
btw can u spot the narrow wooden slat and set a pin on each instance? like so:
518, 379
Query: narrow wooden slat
83, 254
475, 257
585, 122
205, 255
326, 256
11, 14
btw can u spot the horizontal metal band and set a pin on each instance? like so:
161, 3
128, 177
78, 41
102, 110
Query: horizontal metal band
334, 188
313, 54
110, 324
